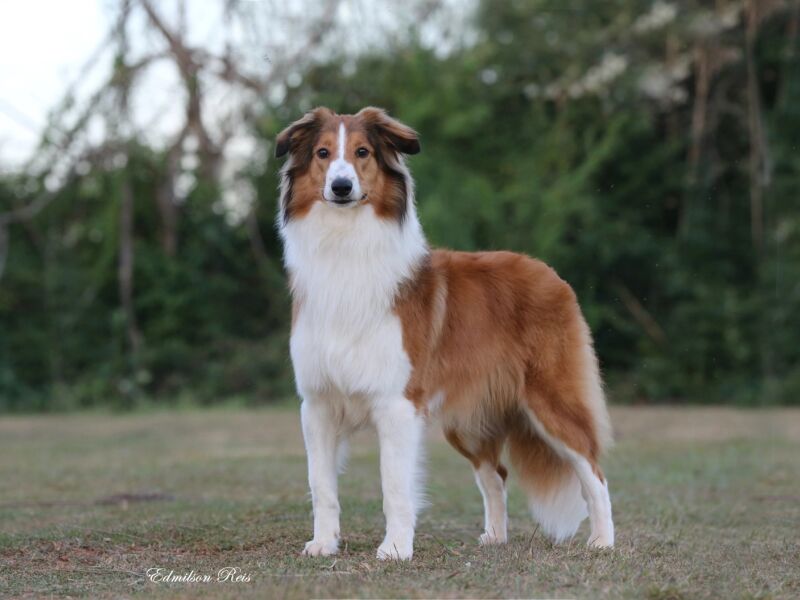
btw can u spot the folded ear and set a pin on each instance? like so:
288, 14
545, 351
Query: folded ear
400, 137
301, 131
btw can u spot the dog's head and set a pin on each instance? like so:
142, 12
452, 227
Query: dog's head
346, 161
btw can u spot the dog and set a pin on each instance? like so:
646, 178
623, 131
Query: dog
389, 332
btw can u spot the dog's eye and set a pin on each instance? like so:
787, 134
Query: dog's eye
323, 153
362, 152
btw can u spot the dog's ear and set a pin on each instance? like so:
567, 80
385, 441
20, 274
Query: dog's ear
301, 131
391, 131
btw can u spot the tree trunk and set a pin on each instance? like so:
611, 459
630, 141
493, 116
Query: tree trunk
125, 270
758, 163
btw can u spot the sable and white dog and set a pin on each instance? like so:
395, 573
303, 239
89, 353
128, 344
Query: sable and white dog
386, 331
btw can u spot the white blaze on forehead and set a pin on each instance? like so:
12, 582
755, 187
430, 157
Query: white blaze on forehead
340, 168
342, 139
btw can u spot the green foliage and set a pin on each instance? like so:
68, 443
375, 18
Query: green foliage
525, 147
212, 319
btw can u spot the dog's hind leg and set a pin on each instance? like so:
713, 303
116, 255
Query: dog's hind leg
490, 476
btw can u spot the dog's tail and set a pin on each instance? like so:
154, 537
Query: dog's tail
545, 470
550, 482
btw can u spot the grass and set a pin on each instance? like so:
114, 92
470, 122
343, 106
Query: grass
706, 501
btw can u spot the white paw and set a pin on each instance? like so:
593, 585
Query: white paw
325, 548
488, 539
395, 550
601, 541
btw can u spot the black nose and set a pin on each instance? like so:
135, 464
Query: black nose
342, 187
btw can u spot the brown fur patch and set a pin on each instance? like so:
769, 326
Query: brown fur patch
303, 174
498, 333
535, 462
486, 450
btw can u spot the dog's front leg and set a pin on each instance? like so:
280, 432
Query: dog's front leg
320, 432
400, 431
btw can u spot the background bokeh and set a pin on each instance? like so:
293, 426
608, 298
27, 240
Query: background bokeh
649, 151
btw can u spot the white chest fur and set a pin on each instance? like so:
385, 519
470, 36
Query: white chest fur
346, 266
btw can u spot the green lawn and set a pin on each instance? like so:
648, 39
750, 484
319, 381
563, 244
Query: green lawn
706, 503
